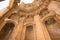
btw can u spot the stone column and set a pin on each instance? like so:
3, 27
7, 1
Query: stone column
19, 33
41, 31
16, 34
23, 33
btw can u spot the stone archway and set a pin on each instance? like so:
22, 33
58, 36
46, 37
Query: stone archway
6, 30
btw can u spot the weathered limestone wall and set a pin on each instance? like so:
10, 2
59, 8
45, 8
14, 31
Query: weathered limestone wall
39, 20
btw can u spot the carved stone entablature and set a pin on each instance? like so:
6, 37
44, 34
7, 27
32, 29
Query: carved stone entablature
37, 4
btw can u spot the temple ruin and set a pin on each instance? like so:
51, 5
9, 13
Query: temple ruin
39, 20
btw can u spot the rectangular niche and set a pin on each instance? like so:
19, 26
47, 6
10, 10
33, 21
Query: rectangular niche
29, 33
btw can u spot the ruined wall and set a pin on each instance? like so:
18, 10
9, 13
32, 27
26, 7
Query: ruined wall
39, 20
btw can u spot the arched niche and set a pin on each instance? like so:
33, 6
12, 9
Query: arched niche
53, 27
6, 30
49, 20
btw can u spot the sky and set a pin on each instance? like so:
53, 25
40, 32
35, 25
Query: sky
27, 1
4, 4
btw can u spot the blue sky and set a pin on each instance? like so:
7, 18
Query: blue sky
4, 4
27, 1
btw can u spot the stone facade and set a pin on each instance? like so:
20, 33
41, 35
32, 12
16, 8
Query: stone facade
39, 20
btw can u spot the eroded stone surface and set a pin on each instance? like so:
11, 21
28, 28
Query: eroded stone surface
41, 14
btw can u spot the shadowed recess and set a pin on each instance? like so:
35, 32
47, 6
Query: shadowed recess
29, 33
6, 30
2, 0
